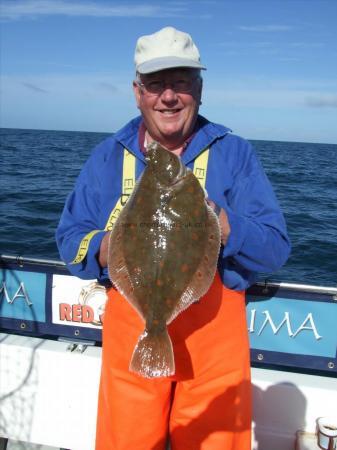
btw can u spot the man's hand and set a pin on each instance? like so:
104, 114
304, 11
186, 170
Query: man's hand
223, 219
103, 251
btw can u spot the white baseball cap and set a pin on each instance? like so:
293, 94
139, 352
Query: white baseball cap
166, 49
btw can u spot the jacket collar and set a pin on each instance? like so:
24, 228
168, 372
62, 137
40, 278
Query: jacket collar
204, 138
128, 137
207, 133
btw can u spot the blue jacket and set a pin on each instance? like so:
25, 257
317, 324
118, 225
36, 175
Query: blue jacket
258, 241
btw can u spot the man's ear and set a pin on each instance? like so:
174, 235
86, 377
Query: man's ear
200, 90
136, 91
201, 85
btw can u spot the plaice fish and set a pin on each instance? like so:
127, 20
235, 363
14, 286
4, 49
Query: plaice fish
163, 253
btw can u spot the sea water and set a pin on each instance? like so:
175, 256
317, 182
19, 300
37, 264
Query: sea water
38, 170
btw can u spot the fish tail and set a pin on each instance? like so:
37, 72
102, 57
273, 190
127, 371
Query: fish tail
153, 355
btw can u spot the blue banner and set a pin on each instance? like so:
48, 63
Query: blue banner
293, 326
22, 295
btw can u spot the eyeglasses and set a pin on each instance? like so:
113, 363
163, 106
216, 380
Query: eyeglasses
157, 87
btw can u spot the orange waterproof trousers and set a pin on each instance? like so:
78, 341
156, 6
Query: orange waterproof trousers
206, 405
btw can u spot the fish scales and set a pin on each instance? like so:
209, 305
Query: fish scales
163, 254
161, 224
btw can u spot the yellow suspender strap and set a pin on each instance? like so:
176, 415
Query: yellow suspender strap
83, 248
128, 184
200, 167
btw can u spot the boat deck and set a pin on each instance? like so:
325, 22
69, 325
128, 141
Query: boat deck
48, 396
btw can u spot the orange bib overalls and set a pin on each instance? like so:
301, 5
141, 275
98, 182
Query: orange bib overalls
206, 405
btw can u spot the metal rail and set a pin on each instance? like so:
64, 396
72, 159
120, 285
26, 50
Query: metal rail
21, 260
329, 290
299, 287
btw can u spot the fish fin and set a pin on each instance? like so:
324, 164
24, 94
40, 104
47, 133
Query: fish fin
153, 355
117, 269
204, 275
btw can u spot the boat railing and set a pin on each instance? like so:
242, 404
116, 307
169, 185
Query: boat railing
329, 290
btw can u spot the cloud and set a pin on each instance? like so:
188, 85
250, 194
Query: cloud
288, 59
281, 50
34, 88
73, 102
309, 45
59, 88
265, 28
251, 44
261, 92
108, 87
325, 101
13, 10
235, 44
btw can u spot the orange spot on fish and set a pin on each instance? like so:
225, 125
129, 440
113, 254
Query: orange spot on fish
190, 189
155, 322
194, 236
184, 268
168, 301
159, 282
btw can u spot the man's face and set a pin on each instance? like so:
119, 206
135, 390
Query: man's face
169, 101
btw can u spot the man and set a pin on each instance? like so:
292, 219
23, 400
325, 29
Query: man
206, 404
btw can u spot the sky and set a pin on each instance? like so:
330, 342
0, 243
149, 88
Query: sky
271, 65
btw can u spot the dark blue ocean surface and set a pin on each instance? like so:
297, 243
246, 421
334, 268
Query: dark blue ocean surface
38, 170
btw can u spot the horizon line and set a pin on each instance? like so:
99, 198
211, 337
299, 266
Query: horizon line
113, 132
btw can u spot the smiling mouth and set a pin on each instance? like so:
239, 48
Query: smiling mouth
169, 112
